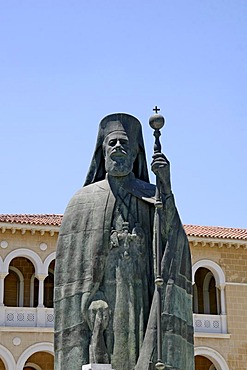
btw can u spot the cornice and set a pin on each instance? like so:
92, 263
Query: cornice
23, 228
197, 241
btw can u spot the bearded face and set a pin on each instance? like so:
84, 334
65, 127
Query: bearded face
119, 154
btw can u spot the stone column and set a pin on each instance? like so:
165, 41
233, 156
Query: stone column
2, 277
222, 299
223, 309
41, 278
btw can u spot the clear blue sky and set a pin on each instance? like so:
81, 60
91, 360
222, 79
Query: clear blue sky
65, 64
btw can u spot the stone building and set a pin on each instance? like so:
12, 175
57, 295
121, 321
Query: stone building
27, 260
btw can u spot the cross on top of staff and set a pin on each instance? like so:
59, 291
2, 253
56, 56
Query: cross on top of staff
156, 109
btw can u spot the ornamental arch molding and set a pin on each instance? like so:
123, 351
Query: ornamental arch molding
38, 347
34, 366
48, 260
7, 358
214, 268
215, 357
27, 253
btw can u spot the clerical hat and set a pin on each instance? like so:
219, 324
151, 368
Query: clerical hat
111, 123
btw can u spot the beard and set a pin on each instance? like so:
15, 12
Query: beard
118, 166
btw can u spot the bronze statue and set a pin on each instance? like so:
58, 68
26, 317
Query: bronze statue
105, 300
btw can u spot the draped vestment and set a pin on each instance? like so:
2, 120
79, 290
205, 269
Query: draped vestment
105, 247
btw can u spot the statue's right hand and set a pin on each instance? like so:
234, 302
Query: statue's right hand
98, 315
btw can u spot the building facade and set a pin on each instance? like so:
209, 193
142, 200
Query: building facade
27, 261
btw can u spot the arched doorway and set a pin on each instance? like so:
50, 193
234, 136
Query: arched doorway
206, 356
203, 363
38, 355
40, 360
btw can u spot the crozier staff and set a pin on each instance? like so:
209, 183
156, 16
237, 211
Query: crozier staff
105, 306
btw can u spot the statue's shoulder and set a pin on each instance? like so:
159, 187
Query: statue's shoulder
96, 186
90, 194
87, 191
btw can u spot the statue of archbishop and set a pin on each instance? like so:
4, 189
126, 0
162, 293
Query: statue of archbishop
105, 301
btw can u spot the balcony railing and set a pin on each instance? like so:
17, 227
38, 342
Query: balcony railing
206, 323
26, 317
44, 317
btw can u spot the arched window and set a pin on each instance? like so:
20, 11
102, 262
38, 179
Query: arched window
13, 288
209, 304
209, 291
206, 294
17, 282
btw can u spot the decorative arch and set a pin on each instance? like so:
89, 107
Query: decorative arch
48, 260
21, 285
216, 270
1, 264
7, 358
30, 364
27, 253
38, 347
214, 356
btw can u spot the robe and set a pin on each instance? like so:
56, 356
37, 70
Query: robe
88, 263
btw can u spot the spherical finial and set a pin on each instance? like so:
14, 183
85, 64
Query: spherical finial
156, 121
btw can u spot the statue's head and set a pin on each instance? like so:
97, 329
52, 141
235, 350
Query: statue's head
119, 149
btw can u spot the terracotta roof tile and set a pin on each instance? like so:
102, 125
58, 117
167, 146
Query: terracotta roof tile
191, 230
216, 232
50, 219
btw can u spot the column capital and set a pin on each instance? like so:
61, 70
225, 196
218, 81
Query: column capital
41, 277
3, 275
221, 286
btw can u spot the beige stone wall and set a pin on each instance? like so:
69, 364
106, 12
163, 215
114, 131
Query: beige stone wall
232, 260
234, 265
237, 324
27, 339
27, 240
32, 336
